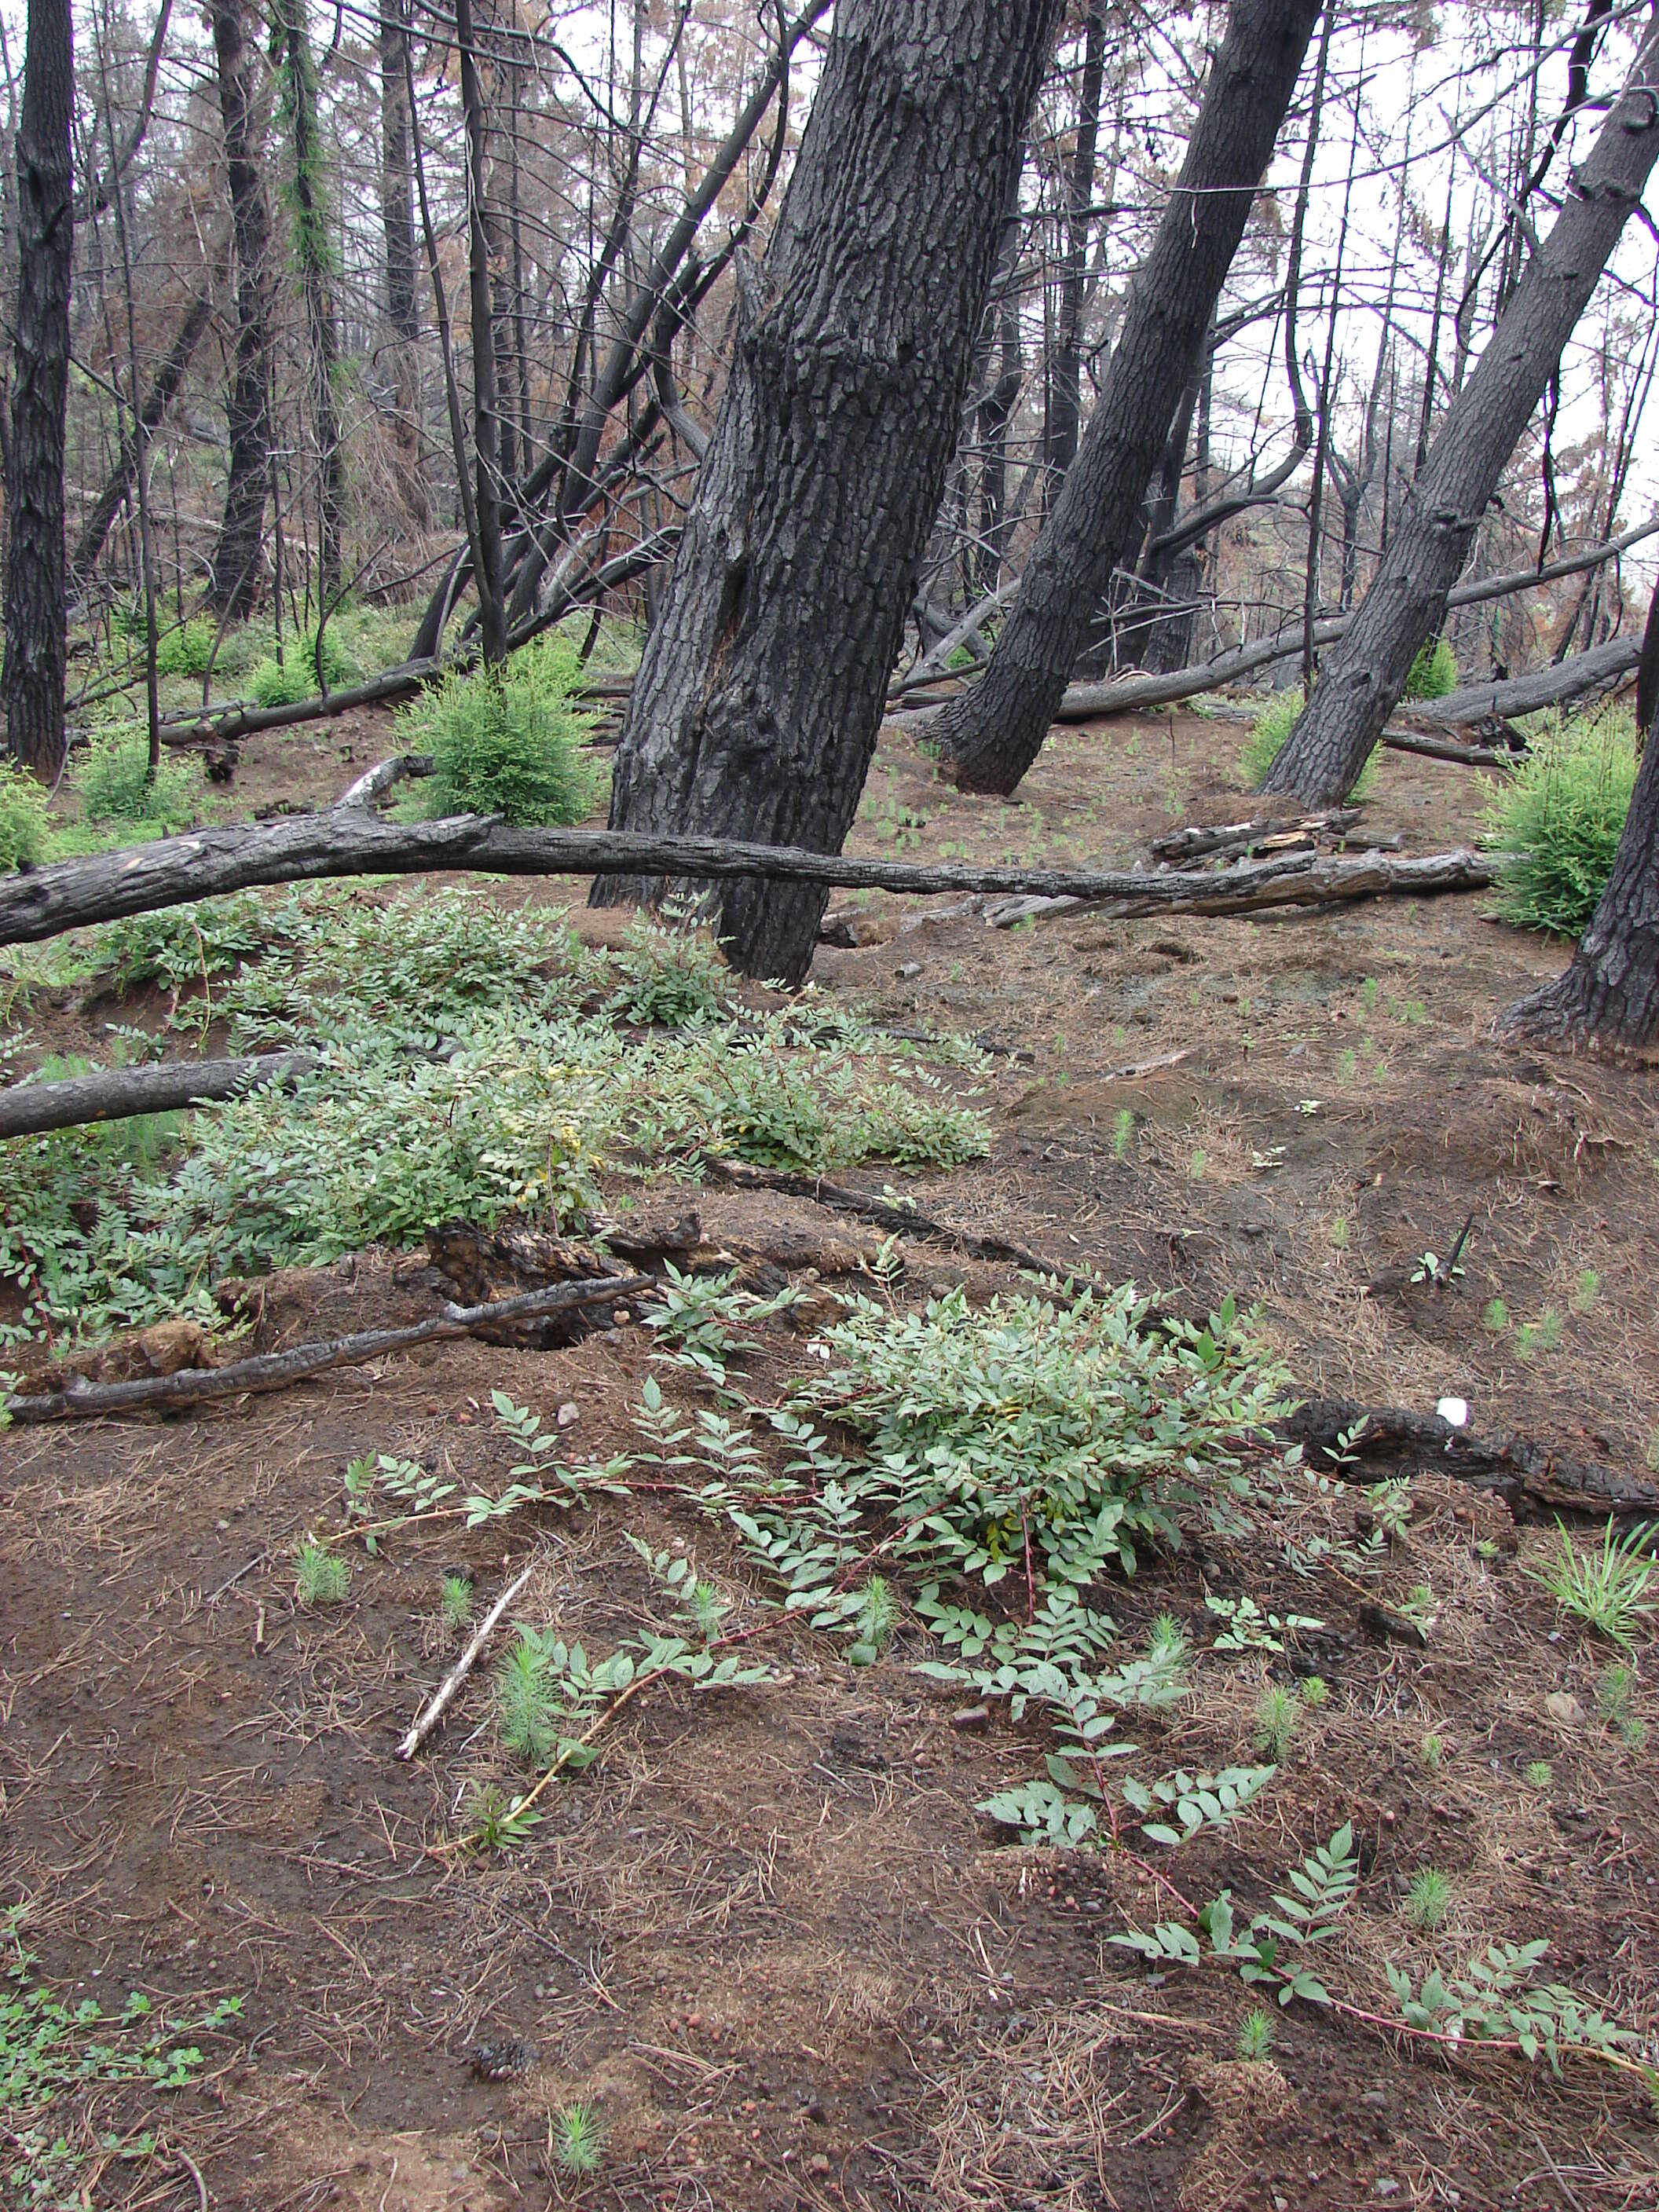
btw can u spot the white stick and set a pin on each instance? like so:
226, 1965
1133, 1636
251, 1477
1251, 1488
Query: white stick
429, 1718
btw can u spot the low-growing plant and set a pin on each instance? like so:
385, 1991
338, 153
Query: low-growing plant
578, 2139
506, 740
673, 974
1557, 820
1430, 1753
320, 1576
1606, 1589
527, 1708
1586, 1289
1614, 1688
1433, 674
285, 682
1256, 2035
22, 818
1315, 1691
1278, 1717
1537, 1774
117, 783
1496, 1318
1543, 1335
456, 1602
1428, 1900
186, 649
494, 1822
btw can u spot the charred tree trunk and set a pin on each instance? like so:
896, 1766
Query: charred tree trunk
487, 493
31, 681
1610, 992
163, 390
757, 702
993, 734
1405, 604
235, 580
1065, 399
314, 254
397, 227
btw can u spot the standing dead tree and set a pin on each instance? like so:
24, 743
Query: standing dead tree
236, 576
1405, 604
32, 679
758, 699
990, 739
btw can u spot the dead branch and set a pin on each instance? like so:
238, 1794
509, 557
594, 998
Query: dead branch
113, 1094
439, 1705
1602, 665
1536, 1483
275, 1370
903, 1220
352, 841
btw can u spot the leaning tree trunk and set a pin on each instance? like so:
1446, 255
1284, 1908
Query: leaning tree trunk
1610, 992
236, 580
1405, 605
757, 702
32, 680
163, 390
992, 734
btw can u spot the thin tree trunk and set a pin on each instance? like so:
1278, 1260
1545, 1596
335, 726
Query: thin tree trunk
1610, 992
235, 580
1405, 604
31, 681
759, 697
994, 734
398, 226
163, 390
315, 256
1065, 395
487, 494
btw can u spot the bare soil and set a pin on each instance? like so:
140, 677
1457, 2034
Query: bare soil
767, 1936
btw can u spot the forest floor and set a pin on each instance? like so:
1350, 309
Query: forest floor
767, 1936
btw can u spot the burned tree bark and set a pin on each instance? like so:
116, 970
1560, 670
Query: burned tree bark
1609, 993
397, 225
31, 681
993, 734
1406, 601
758, 701
235, 578
163, 390
312, 251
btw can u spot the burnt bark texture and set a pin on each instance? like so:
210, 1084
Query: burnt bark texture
236, 580
308, 216
1443, 507
163, 390
31, 681
398, 226
760, 694
1609, 993
991, 736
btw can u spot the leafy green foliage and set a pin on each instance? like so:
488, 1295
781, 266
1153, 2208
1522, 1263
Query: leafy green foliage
1028, 1434
320, 1576
1496, 1995
1278, 1717
1558, 817
116, 783
506, 740
22, 818
285, 682
1606, 1589
1537, 1774
493, 1820
578, 2139
51, 2050
1433, 674
1271, 1954
673, 974
187, 649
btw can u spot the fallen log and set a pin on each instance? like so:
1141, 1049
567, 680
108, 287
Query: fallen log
1536, 1483
1602, 665
1448, 748
275, 1370
351, 840
382, 777
114, 1094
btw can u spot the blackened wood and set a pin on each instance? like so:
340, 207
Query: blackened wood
163, 390
235, 578
114, 1094
760, 693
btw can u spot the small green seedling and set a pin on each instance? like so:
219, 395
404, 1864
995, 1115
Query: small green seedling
320, 1576
1315, 1692
1496, 1318
1537, 1774
578, 2139
457, 1602
1429, 1753
1339, 1233
1585, 1290
1278, 1716
1606, 1589
1428, 1900
1256, 2035
1122, 1129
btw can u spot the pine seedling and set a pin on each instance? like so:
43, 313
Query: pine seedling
1256, 2035
320, 1576
578, 2139
456, 1602
525, 1709
1315, 1692
1428, 1754
1277, 1714
1537, 1774
1428, 1900
874, 1622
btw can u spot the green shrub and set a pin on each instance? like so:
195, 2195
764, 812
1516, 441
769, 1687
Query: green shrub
285, 684
1266, 741
1434, 672
674, 974
186, 650
506, 740
1560, 818
116, 784
22, 818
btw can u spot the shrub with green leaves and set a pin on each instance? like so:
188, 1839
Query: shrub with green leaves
187, 649
1265, 741
1433, 674
285, 682
1032, 1429
508, 740
22, 818
1558, 820
673, 973
116, 784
